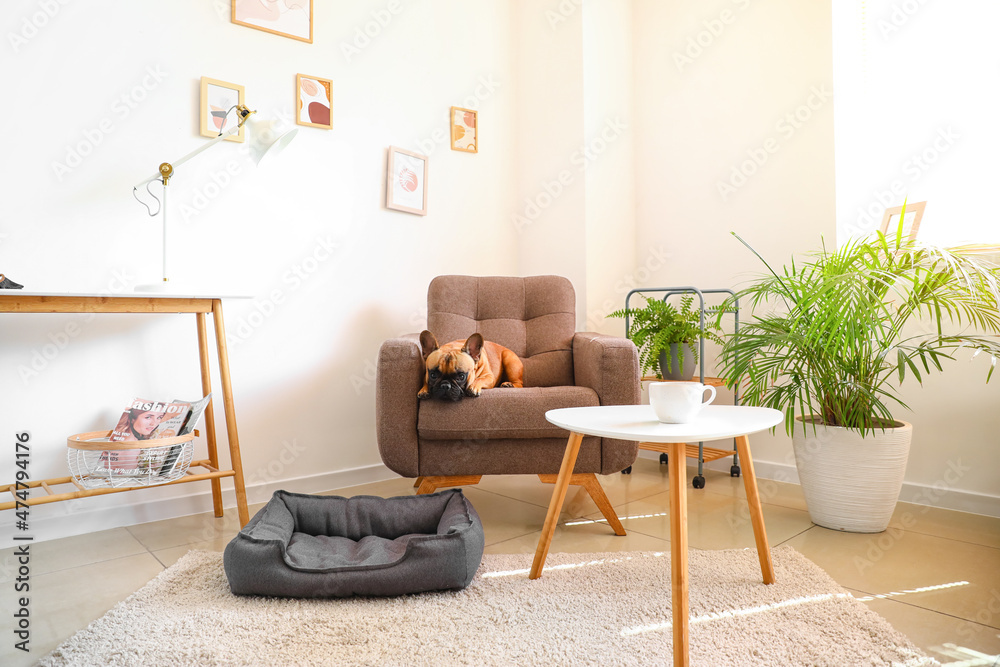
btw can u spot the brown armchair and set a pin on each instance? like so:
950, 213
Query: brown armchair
504, 431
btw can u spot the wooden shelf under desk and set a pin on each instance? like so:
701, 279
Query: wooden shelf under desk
202, 306
80, 492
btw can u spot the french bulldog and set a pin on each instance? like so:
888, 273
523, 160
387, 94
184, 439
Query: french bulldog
466, 367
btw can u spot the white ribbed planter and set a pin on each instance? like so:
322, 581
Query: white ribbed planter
851, 483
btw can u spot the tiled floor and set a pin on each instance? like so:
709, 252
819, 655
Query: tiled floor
935, 574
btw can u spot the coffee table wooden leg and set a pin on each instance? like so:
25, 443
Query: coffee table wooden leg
678, 550
555, 506
756, 513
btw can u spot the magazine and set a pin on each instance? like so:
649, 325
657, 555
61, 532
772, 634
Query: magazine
148, 420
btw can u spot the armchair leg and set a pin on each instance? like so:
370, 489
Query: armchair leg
590, 482
432, 484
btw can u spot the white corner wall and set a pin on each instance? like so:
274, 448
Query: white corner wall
331, 272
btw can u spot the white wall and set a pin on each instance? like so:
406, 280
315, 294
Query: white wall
303, 370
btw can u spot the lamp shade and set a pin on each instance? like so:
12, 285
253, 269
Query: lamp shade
265, 139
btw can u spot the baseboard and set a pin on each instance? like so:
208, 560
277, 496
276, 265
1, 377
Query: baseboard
66, 519
940, 496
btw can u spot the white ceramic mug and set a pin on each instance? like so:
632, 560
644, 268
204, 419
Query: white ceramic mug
678, 402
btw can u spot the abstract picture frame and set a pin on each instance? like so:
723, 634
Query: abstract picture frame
406, 181
215, 102
314, 101
288, 18
464, 130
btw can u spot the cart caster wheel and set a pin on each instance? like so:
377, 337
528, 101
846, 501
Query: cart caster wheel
734, 471
698, 482
664, 458
627, 471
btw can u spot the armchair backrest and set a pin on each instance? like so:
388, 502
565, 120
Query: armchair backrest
534, 316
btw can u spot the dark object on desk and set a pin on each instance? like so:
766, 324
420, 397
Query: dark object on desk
7, 283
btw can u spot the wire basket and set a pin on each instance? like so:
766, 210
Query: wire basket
97, 463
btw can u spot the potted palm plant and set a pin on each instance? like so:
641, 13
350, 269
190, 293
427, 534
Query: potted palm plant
667, 336
842, 333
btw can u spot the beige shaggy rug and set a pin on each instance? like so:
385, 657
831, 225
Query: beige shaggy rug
587, 609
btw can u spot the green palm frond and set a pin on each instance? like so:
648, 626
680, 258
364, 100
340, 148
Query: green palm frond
837, 333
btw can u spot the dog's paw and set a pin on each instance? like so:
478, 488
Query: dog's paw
422, 395
472, 392
506, 385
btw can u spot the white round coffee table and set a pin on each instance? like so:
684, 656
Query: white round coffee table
638, 422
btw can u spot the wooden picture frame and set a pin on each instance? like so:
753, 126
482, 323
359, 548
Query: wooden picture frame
406, 181
314, 101
464, 130
215, 109
288, 18
890, 220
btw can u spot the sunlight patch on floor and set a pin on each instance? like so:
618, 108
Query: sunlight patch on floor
718, 615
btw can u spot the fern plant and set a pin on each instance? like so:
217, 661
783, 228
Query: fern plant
839, 334
656, 326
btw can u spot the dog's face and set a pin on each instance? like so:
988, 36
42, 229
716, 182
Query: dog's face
450, 371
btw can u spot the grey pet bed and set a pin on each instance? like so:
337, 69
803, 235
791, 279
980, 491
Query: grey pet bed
328, 546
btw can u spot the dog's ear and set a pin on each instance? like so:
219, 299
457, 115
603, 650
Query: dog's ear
474, 346
428, 343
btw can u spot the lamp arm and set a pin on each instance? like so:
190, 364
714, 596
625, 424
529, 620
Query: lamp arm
159, 175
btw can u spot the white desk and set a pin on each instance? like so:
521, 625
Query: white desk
638, 422
21, 301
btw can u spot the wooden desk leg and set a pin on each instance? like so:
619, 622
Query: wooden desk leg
206, 387
679, 551
227, 401
555, 506
756, 513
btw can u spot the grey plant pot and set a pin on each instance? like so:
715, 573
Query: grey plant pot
673, 371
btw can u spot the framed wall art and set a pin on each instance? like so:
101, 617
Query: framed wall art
217, 98
288, 18
406, 181
313, 101
911, 225
464, 130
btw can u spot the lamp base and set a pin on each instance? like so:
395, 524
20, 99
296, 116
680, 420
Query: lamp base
162, 286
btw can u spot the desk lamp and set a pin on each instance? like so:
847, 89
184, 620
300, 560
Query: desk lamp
263, 139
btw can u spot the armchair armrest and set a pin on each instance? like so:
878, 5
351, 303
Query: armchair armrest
609, 365
398, 377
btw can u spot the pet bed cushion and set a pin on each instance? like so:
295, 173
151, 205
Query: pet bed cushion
327, 546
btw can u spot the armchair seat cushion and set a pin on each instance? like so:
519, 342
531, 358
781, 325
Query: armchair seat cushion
501, 414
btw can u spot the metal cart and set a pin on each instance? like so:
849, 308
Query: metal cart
701, 452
